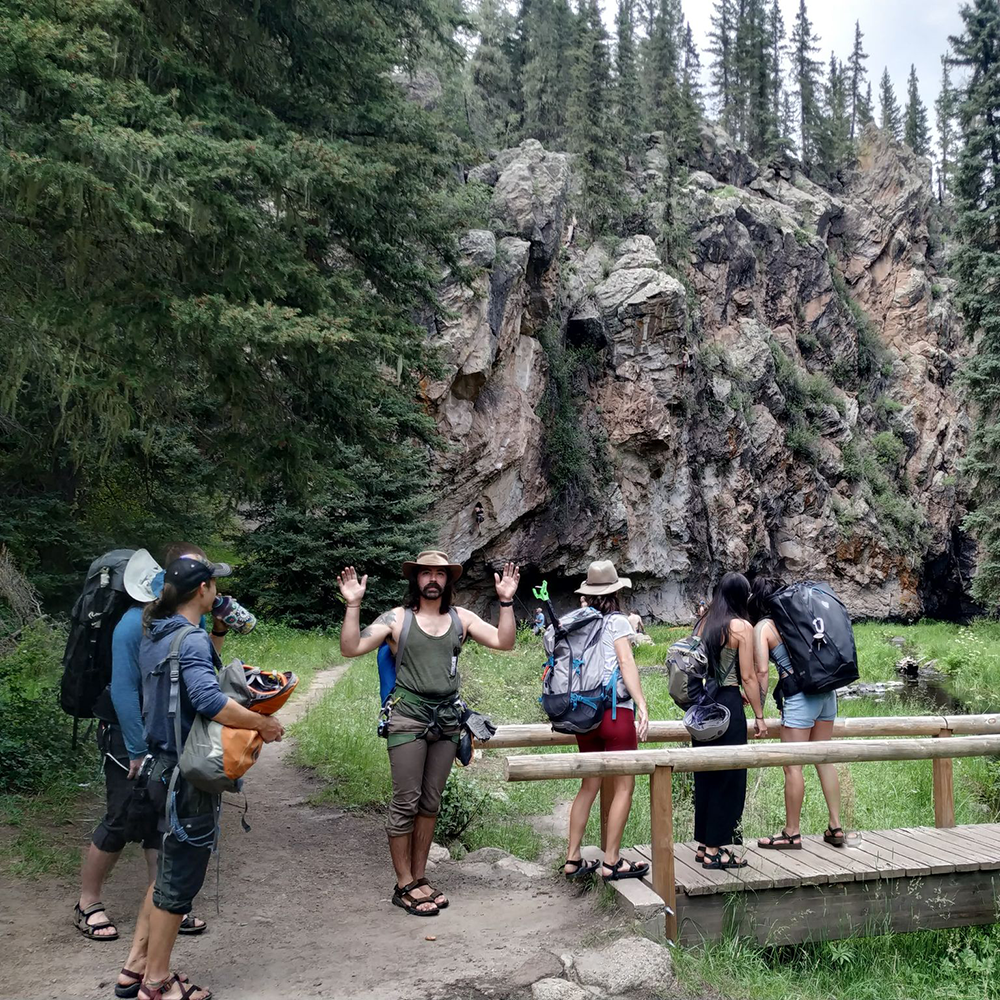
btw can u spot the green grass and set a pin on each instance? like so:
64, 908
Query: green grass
41, 832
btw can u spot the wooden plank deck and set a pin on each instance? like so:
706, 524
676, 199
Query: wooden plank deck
884, 880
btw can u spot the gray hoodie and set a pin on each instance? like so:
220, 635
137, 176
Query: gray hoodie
200, 692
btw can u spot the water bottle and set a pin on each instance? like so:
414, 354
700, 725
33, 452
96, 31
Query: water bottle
230, 611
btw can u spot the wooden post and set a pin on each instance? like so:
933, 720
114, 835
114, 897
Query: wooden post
661, 819
606, 795
944, 789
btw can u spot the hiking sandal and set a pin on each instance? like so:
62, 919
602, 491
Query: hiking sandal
723, 859
90, 930
156, 992
634, 870
699, 855
192, 925
582, 868
433, 897
835, 835
403, 897
132, 990
782, 842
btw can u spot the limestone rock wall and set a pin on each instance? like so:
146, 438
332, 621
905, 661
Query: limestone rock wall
743, 418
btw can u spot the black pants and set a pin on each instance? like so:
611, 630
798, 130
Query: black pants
719, 796
112, 833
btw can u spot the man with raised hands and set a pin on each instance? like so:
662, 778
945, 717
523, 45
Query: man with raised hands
423, 714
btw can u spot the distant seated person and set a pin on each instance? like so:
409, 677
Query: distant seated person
699, 612
539, 625
640, 638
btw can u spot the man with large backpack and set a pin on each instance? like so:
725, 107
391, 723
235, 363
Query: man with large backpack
118, 709
179, 664
423, 728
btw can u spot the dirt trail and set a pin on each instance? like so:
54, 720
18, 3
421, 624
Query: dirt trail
306, 912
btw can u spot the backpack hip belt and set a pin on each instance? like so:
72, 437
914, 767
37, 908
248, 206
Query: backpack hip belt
436, 714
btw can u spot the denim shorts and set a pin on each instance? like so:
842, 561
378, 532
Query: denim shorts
803, 711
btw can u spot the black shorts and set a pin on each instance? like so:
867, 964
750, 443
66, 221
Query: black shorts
183, 863
113, 832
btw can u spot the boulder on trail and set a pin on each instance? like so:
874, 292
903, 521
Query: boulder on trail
630, 963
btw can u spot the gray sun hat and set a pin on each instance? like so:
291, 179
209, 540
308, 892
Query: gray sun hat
143, 577
602, 578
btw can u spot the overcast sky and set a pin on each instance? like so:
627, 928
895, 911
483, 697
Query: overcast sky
896, 34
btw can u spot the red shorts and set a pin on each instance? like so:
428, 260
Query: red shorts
611, 734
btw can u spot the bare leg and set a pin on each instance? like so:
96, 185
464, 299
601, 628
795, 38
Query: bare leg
621, 804
795, 786
136, 961
163, 928
579, 813
97, 865
420, 844
828, 777
399, 851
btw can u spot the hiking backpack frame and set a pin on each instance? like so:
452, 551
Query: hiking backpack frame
87, 658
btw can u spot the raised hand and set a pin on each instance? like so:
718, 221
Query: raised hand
507, 585
351, 588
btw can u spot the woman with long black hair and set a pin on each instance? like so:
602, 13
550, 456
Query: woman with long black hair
719, 796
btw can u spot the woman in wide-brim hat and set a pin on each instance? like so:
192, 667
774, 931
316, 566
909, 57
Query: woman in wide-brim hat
601, 590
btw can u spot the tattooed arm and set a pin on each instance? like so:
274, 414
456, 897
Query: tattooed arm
355, 641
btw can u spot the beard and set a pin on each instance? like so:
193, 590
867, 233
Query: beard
431, 592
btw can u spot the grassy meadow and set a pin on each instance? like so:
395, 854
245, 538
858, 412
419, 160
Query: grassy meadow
337, 737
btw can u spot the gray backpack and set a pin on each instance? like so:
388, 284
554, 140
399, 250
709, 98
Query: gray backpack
574, 692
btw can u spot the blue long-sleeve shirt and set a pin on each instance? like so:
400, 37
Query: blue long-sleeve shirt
199, 683
126, 680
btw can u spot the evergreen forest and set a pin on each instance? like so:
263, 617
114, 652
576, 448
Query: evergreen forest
222, 225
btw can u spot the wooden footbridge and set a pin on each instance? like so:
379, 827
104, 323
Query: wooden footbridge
889, 880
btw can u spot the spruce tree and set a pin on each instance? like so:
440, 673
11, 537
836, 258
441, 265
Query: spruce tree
691, 109
546, 77
866, 108
805, 73
916, 131
976, 266
891, 121
493, 115
776, 51
835, 144
590, 123
944, 108
724, 76
759, 129
856, 67
628, 99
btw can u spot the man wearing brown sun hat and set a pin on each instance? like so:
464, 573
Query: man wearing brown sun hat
425, 636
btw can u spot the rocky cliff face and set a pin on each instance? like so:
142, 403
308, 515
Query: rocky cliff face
784, 401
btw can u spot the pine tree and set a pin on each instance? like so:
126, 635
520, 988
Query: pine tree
759, 127
788, 123
976, 266
691, 109
835, 143
628, 111
805, 71
776, 51
866, 108
663, 63
590, 123
722, 48
944, 108
891, 121
916, 131
856, 65
493, 117
546, 77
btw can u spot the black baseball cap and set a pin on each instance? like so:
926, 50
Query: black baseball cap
188, 572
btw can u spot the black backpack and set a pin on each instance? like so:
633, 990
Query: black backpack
98, 609
816, 630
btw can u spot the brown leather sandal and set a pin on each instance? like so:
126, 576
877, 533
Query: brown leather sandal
80, 918
156, 992
402, 896
435, 896
132, 990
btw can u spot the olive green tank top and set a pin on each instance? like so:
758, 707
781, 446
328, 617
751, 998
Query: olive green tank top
429, 666
728, 675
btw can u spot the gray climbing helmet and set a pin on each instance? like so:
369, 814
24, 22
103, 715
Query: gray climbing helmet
706, 720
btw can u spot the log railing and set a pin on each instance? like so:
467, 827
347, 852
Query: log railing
661, 765
541, 735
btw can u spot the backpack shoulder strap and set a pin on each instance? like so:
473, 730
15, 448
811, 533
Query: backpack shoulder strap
404, 632
456, 620
174, 658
